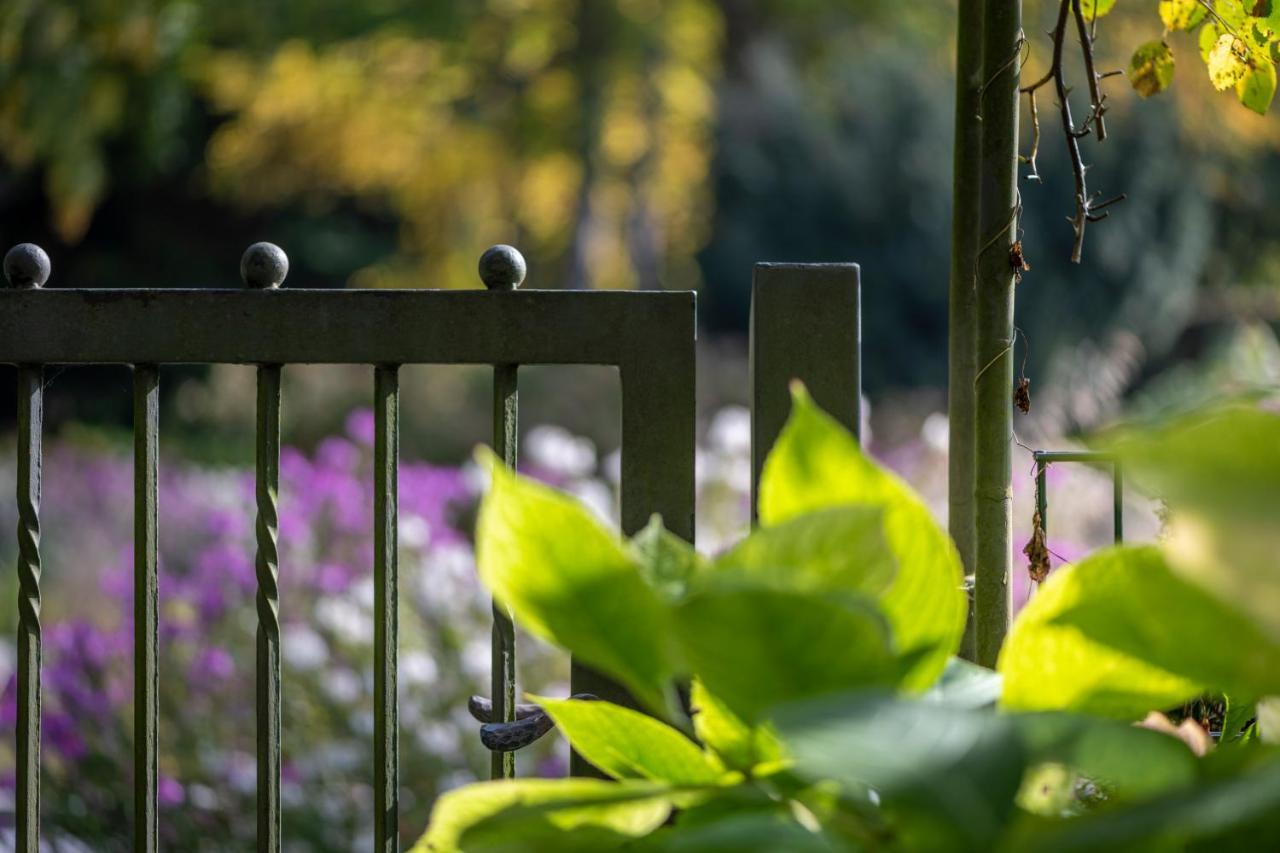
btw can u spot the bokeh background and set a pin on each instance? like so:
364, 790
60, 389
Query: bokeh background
627, 144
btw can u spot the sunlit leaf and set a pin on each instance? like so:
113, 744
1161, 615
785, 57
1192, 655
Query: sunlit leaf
580, 814
1227, 61
1049, 664
815, 465
628, 744
756, 648
1151, 68
836, 550
569, 580
665, 559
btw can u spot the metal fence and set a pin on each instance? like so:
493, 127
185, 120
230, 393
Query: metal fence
806, 327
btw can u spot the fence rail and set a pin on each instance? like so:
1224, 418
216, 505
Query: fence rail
649, 337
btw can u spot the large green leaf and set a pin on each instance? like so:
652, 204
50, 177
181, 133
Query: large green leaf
755, 648
569, 580
739, 744
1220, 473
1051, 663
946, 775
817, 465
761, 832
1138, 606
628, 744
579, 814
837, 550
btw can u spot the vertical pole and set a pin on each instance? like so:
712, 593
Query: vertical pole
962, 303
26, 266
1117, 499
502, 268
264, 267
146, 439
993, 419
386, 743
506, 402
30, 458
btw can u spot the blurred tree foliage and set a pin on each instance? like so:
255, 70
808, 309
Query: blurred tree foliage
638, 143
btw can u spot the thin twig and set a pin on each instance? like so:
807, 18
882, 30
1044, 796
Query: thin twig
1086, 211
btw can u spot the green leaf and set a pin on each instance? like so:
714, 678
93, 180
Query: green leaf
740, 745
1141, 608
583, 814
627, 744
667, 561
1182, 14
947, 774
1220, 473
1051, 664
1096, 8
816, 465
570, 581
1127, 761
1243, 812
1258, 86
756, 648
966, 685
1151, 68
837, 550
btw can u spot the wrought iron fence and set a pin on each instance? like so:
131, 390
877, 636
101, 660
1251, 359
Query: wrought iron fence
805, 325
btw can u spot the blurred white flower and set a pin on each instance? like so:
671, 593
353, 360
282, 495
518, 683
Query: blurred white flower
303, 648
342, 685
730, 431
598, 497
936, 432
418, 669
348, 620
560, 451
414, 532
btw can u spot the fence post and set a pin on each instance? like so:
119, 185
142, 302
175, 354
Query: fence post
806, 324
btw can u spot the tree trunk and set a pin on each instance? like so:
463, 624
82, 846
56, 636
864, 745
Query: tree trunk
962, 320
993, 421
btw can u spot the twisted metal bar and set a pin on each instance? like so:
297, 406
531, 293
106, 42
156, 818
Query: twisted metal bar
268, 605
264, 267
30, 429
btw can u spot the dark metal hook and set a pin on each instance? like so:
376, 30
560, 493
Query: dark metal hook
530, 724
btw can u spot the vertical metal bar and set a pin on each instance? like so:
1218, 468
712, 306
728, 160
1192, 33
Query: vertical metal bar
386, 728
268, 601
30, 459
146, 466
806, 324
506, 432
1117, 498
1042, 495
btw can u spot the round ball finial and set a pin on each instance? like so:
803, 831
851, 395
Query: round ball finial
264, 266
502, 268
27, 265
